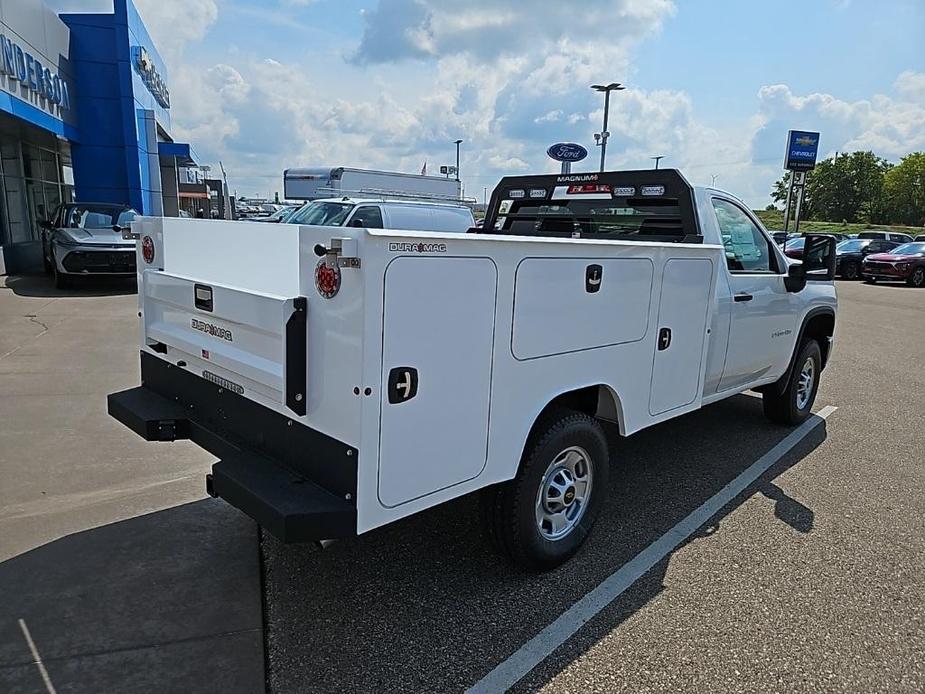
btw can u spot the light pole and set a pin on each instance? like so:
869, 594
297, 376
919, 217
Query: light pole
458, 142
603, 135
659, 157
714, 177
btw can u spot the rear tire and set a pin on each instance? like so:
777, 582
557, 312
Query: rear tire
795, 404
541, 517
917, 278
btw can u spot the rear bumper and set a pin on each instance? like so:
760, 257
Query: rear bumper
297, 483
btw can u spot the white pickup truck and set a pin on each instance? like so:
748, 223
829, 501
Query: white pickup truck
349, 377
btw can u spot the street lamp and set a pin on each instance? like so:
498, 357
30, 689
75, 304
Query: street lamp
458, 142
659, 157
601, 137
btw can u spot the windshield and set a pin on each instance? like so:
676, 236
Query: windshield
325, 214
851, 246
909, 249
96, 216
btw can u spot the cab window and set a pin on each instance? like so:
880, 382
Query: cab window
369, 217
747, 249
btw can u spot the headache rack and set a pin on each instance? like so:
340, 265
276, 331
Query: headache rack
647, 205
384, 194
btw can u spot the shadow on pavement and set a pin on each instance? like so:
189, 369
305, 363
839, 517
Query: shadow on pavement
425, 605
44, 286
168, 601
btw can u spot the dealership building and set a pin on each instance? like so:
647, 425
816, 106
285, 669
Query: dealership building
84, 115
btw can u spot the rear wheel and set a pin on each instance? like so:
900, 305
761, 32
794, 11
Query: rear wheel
917, 278
851, 270
795, 403
542, 516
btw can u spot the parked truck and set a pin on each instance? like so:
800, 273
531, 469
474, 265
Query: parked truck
349, 377
327, 182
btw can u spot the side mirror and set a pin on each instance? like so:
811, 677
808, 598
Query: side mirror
795, 280
819, 258
356, 222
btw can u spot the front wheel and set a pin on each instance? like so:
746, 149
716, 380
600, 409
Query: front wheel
851, 271
794, 405
62, 281
542, 516
917, 278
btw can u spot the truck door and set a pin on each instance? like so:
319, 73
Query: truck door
762, 314
438, 337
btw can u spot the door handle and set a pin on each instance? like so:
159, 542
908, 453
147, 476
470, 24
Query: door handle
742, 296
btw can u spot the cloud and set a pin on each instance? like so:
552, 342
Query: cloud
892, 126
488, 29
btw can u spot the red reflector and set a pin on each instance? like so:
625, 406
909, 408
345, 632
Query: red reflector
327, 278
147, 249
589, 188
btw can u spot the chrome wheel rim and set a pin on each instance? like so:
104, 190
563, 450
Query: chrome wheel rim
805, 384
564, 492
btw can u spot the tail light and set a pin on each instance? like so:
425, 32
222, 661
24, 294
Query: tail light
589, 188
327, 278
147, 249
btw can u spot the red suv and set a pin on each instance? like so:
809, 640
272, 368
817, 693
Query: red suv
906, 262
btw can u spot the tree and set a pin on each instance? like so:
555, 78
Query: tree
904, 190
848, 187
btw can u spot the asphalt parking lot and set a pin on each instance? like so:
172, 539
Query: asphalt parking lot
123, 577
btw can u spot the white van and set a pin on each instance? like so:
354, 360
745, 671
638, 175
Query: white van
385, 214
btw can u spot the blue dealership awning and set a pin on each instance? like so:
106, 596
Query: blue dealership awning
183, 153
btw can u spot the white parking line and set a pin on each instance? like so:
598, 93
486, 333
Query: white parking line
537, 649
38, 659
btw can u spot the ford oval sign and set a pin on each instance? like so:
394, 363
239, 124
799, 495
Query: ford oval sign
567, 152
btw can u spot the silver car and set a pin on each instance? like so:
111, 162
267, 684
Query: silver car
85, 239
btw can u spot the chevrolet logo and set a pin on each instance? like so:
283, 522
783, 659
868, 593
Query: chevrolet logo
805, 140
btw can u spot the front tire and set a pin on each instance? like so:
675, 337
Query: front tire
541, 517
795, 404
851, 271
62, 281
917, 278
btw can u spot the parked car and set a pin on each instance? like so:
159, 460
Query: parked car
778, 236
280, 216
905, 262
794, 247
84, 239
919, 238
886, 236
385, 214
850, 254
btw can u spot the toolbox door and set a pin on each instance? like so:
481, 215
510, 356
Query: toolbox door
680, 336
438, 336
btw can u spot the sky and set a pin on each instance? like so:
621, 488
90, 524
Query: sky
711, 85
